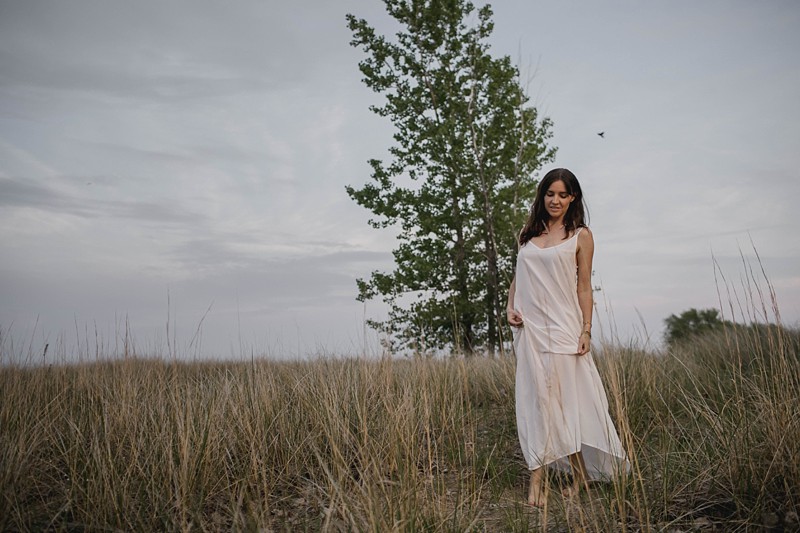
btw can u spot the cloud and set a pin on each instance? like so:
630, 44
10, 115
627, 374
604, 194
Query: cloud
170, 52
21, 193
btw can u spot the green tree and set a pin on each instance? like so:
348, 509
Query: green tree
691, 323
461, 176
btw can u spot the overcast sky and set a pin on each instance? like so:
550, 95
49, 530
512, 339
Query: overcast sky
188, 159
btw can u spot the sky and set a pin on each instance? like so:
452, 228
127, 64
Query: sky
173, 173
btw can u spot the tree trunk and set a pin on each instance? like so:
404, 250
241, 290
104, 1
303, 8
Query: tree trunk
492, 291
462, 322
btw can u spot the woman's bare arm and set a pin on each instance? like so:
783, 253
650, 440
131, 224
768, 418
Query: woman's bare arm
584, 258
514, 317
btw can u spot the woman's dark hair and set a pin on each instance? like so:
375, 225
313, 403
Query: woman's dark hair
577, 213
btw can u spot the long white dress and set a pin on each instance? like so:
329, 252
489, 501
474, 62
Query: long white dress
560, 402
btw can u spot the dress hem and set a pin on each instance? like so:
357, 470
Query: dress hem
594, 474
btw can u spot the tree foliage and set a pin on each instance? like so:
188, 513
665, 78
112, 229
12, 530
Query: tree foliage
691, 323
461, 174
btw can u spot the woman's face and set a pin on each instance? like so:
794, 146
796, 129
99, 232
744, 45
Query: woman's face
557, 199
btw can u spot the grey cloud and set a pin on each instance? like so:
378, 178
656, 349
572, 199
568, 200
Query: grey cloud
169, 51
222, 255
131, 85
196, 154
15, 192
159, 156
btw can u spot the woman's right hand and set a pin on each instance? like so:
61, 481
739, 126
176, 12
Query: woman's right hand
514, 318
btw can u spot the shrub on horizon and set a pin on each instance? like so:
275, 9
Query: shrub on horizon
692, 323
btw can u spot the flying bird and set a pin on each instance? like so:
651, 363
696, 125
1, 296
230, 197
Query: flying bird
602, 134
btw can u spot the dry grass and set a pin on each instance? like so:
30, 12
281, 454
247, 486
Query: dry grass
713, 431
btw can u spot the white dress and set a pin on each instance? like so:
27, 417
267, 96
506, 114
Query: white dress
561, 404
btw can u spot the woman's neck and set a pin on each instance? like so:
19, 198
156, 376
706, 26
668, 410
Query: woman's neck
554, 224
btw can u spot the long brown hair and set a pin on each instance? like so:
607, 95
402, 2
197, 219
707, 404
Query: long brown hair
575, 217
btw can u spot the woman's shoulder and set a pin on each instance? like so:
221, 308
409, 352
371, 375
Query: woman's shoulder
584, 232
585, 236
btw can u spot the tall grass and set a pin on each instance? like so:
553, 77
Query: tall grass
712, 429
716, 427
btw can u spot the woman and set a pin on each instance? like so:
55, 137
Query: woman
562, 411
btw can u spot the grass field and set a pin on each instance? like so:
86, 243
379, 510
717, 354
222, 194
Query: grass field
712, 429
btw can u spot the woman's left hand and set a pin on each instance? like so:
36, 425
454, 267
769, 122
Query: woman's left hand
583, 343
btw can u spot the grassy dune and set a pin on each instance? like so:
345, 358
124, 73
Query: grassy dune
712, 429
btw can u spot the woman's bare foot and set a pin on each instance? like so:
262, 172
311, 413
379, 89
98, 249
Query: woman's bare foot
578, 477
536, 504
536, 498
536, 492
571, 491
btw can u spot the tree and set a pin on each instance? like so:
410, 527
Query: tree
691, 323
461, 176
